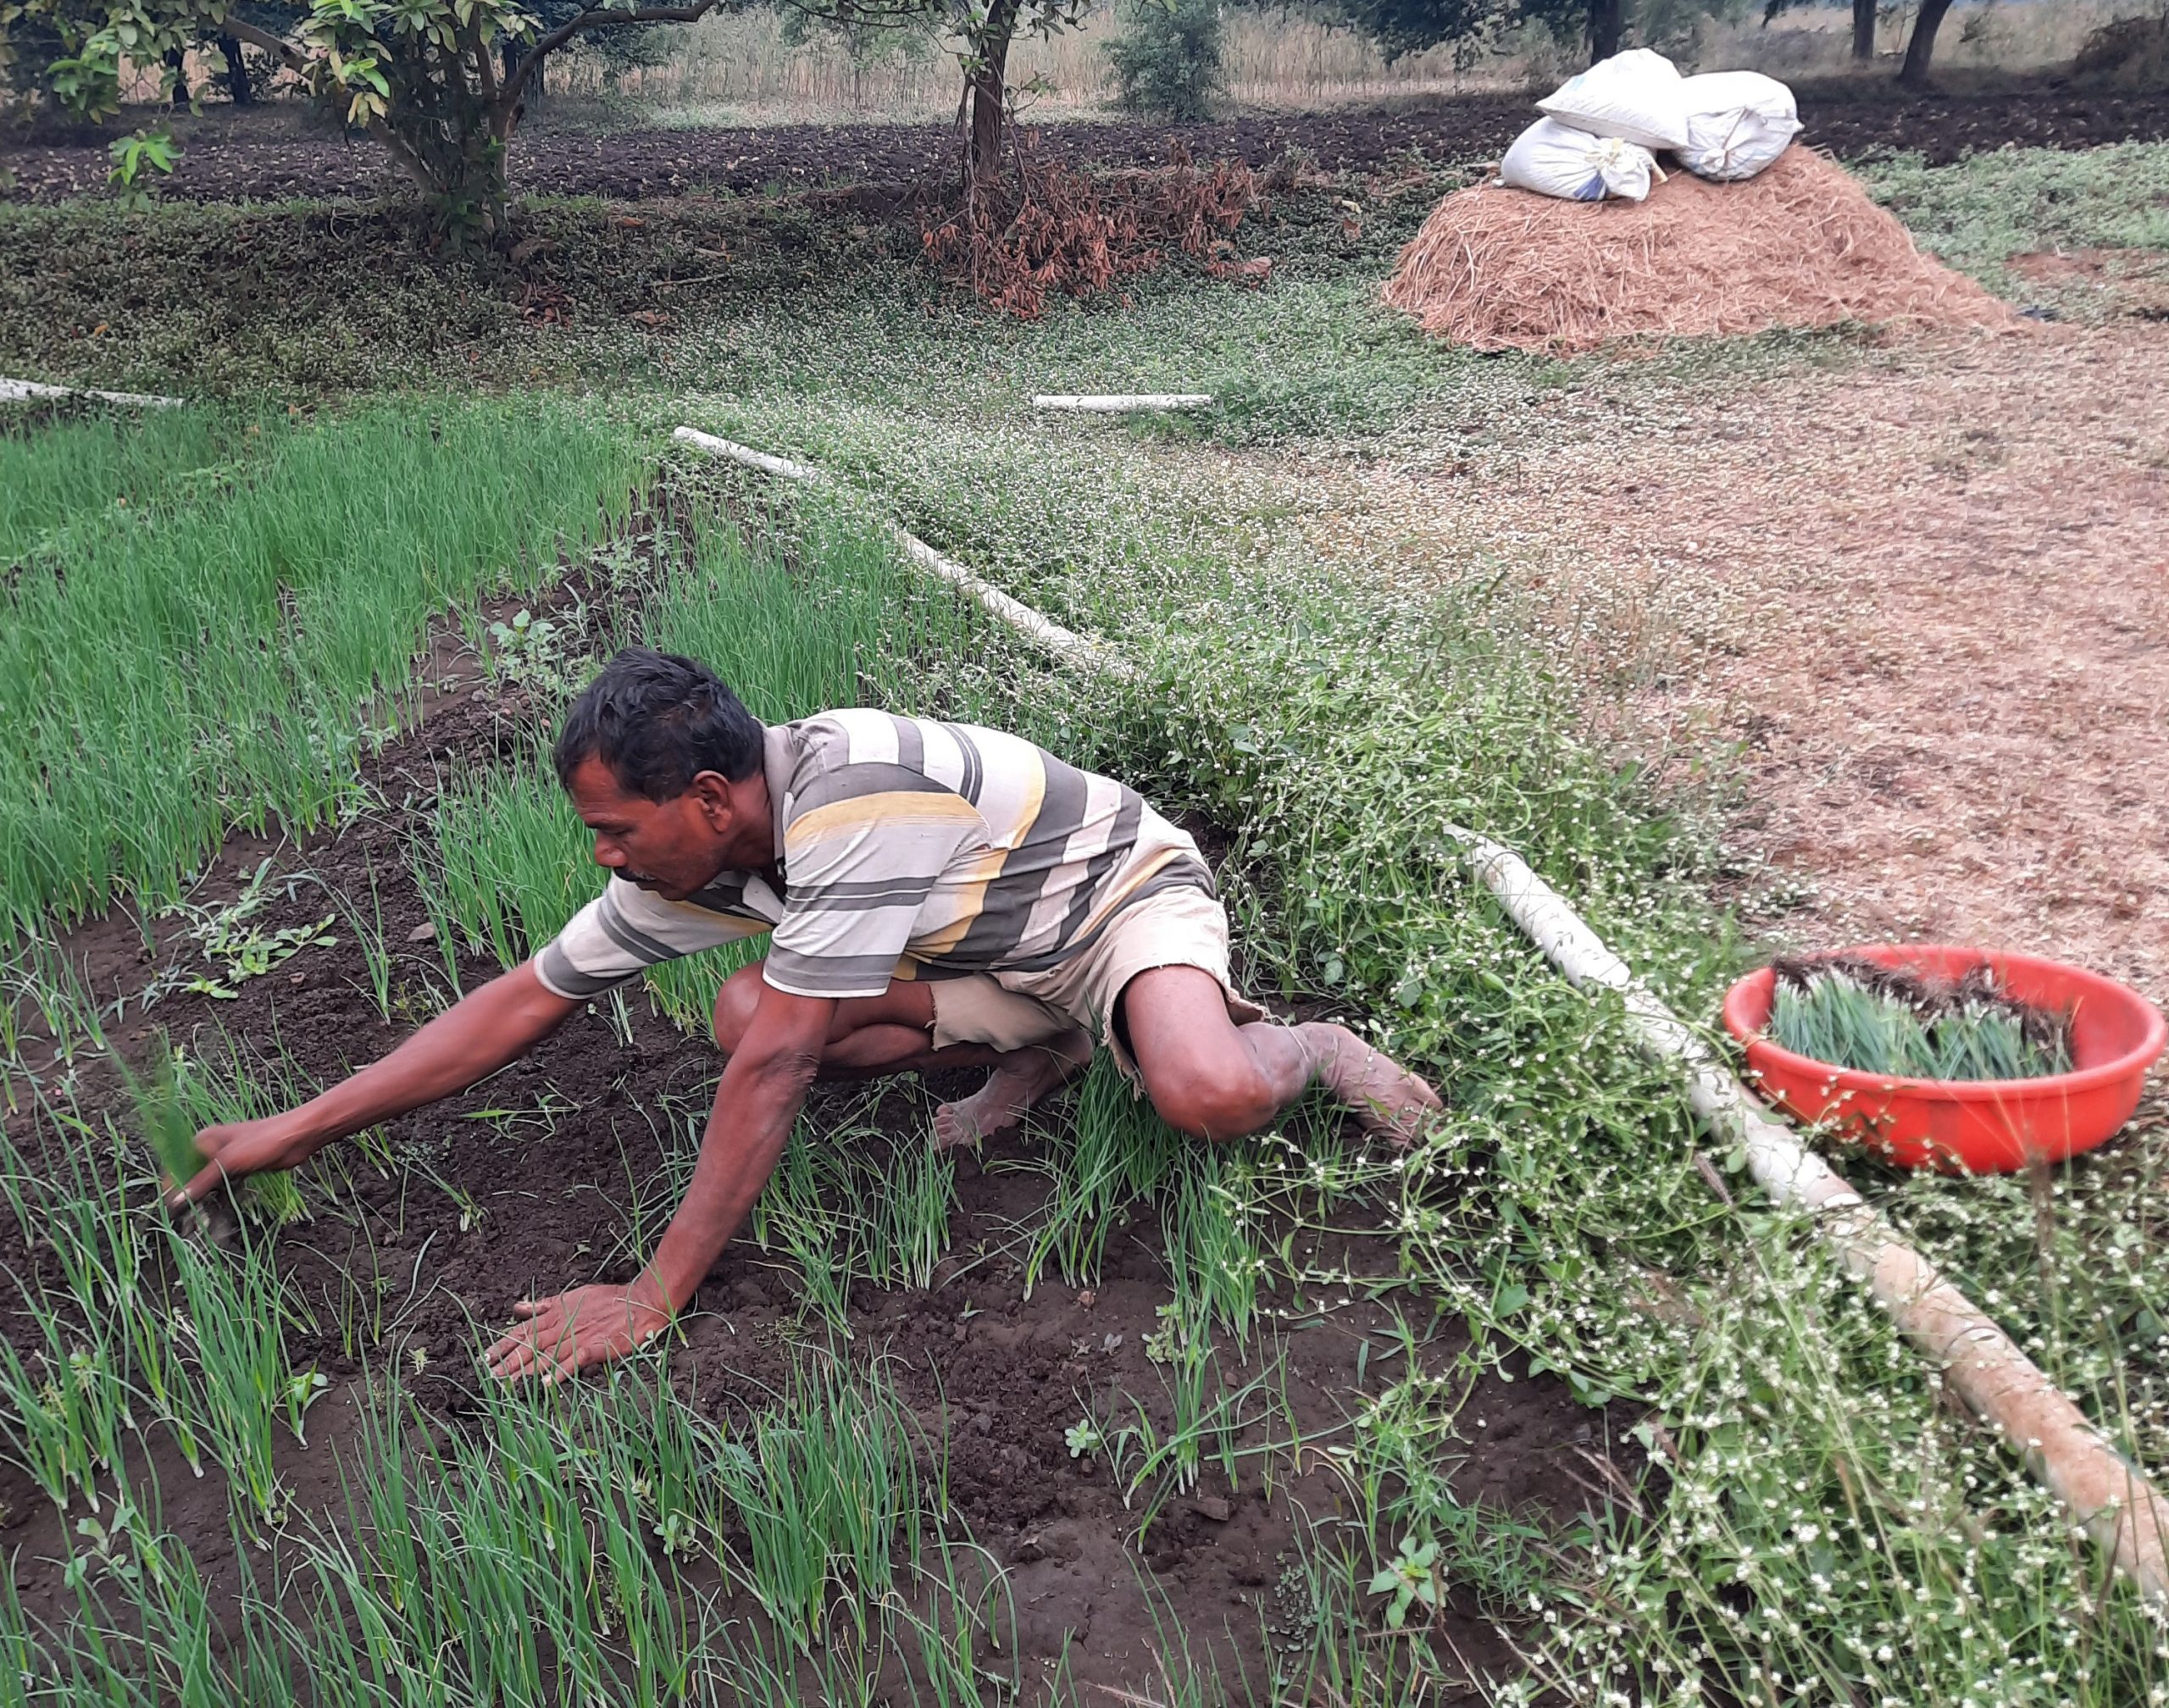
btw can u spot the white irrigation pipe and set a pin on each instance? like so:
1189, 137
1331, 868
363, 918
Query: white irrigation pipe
1123, 402
14, 391
1070, 647
2109, 1495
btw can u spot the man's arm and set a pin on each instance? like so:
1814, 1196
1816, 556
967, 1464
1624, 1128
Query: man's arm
764, 1086
495, 1023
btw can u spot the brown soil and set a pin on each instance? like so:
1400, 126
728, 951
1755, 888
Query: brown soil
1925, 588
2095, 281
1799, 245
274, 153
1955, 646
995, 1375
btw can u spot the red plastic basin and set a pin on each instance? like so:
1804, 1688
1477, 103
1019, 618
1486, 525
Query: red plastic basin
1976, 1126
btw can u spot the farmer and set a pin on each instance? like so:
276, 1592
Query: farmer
937, 895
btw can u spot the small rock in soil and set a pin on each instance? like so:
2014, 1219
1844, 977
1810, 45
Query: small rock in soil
1212, 1506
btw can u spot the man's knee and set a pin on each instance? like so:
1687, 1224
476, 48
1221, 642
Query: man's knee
1224, 1101
734, 1007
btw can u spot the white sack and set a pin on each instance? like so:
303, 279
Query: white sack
1556, 159
1738, 122
1633, 96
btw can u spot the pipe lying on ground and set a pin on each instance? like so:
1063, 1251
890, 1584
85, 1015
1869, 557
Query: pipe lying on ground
1070, 647
1123, 402
16, 391
2112, 1499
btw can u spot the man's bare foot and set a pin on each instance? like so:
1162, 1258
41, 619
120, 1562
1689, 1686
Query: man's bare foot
1385, 1098
1024, 1077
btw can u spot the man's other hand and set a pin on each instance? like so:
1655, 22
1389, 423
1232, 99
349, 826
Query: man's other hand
589, 1325
234, 1149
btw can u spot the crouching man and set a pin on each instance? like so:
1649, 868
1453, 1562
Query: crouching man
935, 895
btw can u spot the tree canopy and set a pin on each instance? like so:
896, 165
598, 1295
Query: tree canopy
1473, 27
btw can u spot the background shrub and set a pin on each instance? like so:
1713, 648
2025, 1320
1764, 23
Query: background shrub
1169, 59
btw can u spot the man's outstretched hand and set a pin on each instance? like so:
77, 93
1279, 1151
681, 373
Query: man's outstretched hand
589, 1325
237, 1148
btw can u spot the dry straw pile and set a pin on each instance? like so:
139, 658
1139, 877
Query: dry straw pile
1800, 245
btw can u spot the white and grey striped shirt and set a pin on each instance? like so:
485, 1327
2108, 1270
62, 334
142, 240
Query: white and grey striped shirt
905, 848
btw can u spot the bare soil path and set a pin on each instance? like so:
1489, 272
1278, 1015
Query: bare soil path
1928, 594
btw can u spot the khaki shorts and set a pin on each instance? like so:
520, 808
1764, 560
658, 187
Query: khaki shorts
1013, 1011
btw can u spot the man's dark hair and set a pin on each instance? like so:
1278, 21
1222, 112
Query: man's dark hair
658, 721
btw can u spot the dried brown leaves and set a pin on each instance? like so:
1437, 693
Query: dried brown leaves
1053, 230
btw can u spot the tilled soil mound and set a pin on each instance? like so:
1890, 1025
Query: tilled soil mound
1799, 245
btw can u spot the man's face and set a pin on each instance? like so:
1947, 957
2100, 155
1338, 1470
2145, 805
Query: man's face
671, 847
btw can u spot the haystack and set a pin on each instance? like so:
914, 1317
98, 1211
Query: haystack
1800, 245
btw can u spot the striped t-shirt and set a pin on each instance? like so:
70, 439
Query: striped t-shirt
905, 849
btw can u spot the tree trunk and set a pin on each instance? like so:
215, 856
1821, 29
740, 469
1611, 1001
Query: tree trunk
1921, 48
1607, 18
509, 54
470, 192
990, 92
1864, 30
237, 84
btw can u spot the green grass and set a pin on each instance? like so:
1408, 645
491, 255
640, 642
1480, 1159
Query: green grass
1335, 730
548, 1551
232, 302
237, 1310
1979, 212
74, 470
827, 1490
199, 654
63, 1409
496, 1565
1822, 1526
847, 1204
1111, 1156
1562, 1211
150, 1327
540, 1550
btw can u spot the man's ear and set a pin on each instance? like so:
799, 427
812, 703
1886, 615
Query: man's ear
711, 795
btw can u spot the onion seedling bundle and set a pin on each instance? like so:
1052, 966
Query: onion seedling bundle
1853, 1014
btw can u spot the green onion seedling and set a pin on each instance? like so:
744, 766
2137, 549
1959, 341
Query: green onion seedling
165, 1116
